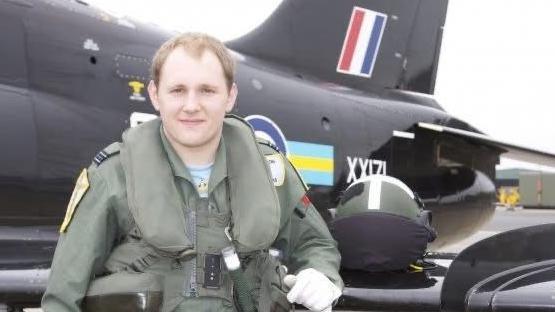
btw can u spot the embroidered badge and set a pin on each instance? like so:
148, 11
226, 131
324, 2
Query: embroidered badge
277, 167
79, 191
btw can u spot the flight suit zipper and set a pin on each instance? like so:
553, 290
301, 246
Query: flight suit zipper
191, 288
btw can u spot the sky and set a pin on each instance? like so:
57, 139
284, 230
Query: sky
497, 63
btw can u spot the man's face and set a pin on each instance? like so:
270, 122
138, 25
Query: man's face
192, 98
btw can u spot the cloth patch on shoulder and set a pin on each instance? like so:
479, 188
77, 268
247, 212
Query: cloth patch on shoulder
81, 187
306, 201
100, 157
301, 209
277, 167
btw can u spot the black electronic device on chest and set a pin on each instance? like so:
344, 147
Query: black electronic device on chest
212, 271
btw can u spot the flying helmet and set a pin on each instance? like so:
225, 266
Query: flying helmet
380, 225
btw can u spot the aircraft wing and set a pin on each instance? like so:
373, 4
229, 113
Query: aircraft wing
509, 150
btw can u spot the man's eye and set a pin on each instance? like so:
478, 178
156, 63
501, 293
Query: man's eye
208, 90
177, 90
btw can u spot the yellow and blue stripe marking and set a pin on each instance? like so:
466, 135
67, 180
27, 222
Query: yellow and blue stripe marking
313, 161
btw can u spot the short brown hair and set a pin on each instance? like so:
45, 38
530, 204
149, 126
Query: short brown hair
195, 43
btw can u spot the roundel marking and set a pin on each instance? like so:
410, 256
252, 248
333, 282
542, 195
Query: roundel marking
267, 129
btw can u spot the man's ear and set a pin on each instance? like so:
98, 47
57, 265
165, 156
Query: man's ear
153, 94
231, 98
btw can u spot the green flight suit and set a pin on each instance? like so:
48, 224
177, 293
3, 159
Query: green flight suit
109, 239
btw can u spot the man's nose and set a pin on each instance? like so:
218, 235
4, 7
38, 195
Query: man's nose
191, 102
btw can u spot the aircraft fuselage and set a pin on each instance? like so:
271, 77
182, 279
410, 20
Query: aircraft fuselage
71, 87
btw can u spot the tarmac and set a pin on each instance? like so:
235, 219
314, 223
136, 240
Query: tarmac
503, 220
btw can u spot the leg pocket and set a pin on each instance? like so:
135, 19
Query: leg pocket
124, 291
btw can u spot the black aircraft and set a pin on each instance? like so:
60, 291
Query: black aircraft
341, 86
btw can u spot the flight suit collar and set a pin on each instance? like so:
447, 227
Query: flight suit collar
219, 170
178, 167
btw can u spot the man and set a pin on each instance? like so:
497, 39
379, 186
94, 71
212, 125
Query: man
152, 213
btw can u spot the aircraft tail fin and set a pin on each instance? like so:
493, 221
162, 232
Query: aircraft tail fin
364, 44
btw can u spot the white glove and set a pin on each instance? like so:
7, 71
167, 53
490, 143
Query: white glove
312, 289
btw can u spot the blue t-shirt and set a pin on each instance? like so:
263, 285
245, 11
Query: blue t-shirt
200, 175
